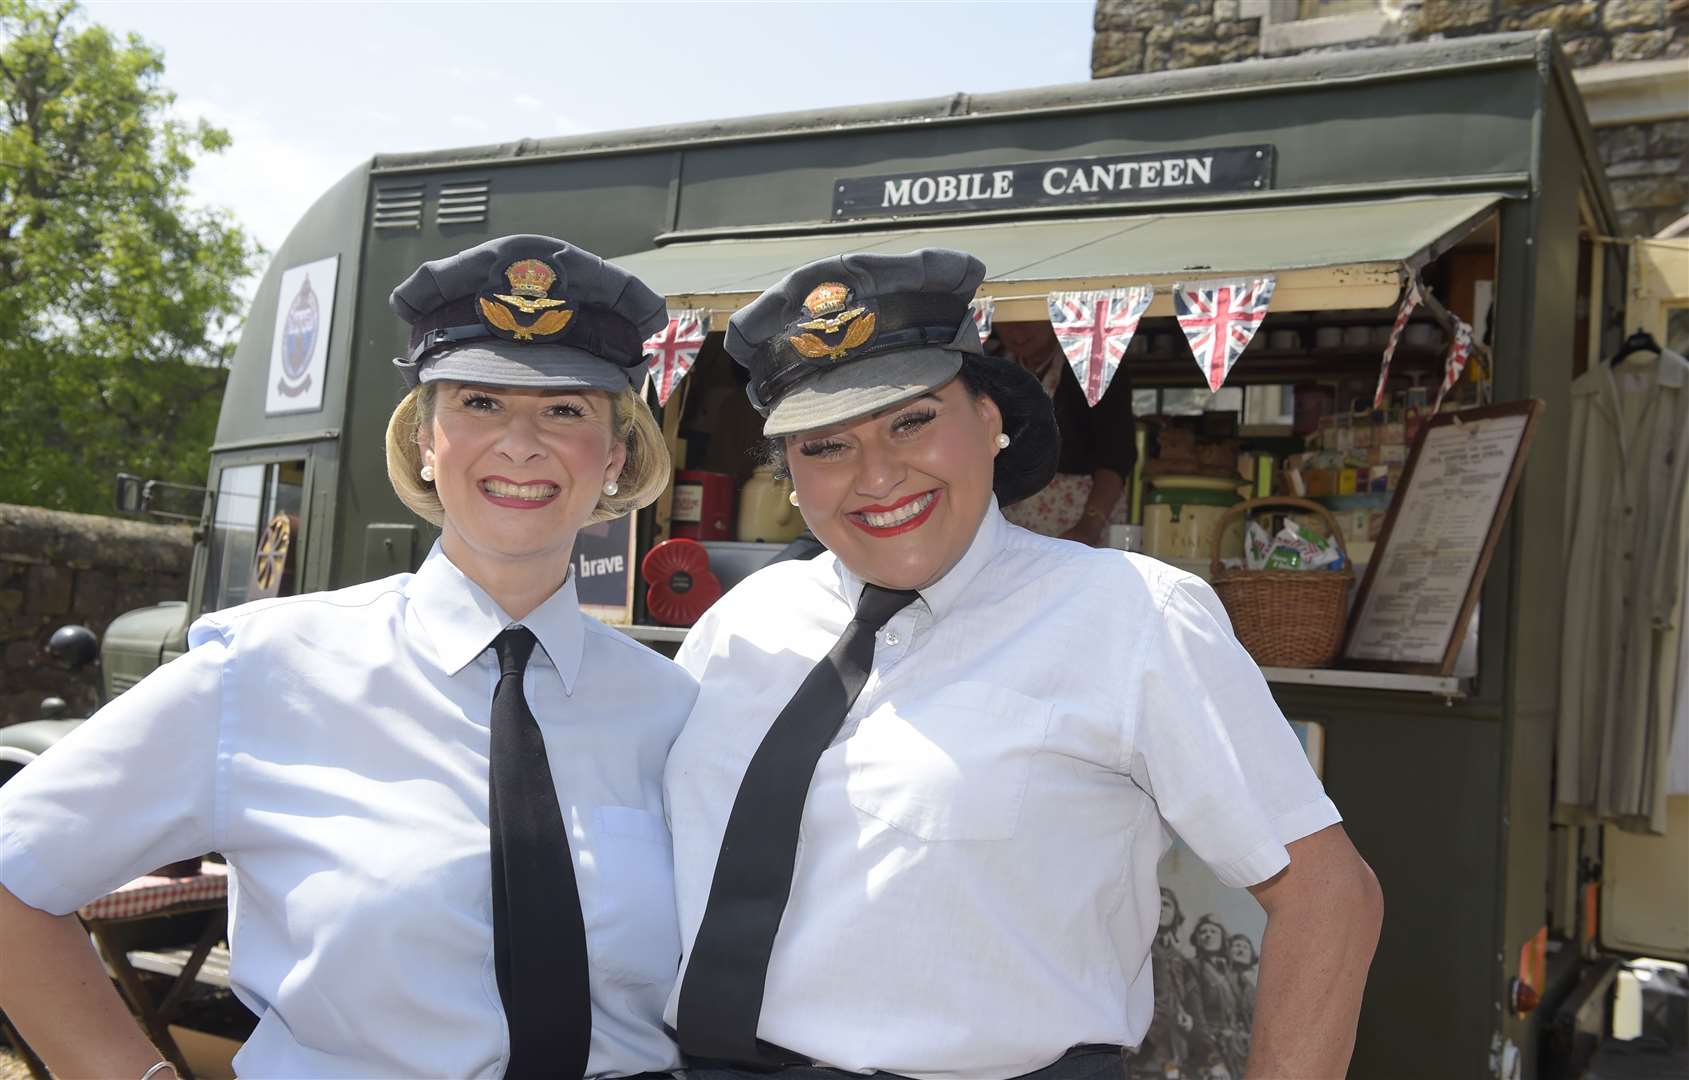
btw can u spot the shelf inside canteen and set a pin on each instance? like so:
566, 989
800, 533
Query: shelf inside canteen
1444, 686
1260, 366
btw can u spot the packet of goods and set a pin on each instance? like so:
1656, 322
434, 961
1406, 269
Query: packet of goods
1257, 545
1297, 547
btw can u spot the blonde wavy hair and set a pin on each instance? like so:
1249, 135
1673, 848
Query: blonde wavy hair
643, 476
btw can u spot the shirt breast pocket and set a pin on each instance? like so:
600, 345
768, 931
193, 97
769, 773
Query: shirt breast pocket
631, 925
953, 765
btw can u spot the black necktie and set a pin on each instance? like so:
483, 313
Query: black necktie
539, 937
721, 995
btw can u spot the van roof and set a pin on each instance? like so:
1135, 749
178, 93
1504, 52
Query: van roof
1157, 88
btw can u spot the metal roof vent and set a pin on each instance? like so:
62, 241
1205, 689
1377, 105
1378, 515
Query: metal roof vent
463, 203
398, 207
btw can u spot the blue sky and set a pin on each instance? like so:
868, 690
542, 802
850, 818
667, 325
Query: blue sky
308, 90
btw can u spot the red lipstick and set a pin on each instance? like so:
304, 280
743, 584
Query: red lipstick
857, 517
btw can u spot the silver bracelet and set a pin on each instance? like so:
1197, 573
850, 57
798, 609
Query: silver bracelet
152, 1072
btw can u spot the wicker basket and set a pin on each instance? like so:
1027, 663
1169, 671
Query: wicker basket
1285, 618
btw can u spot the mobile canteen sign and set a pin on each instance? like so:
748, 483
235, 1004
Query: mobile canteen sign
1069, 181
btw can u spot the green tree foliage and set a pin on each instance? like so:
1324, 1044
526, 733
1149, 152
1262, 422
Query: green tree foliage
117, 298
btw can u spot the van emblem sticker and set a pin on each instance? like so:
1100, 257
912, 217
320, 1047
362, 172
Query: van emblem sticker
300, 330
299, 341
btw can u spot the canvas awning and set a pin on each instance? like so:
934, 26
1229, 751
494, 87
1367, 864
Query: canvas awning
1325, 256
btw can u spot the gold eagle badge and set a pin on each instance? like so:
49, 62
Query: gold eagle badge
530, 286
822, 323
549, 323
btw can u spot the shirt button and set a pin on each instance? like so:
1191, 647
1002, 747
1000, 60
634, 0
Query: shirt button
891, 638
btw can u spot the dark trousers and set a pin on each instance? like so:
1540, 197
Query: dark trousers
1079, 1063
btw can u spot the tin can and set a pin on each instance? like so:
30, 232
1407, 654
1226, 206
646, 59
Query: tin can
703, 505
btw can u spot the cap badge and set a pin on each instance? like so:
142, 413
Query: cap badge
530, 277
826, 298
530, 284
857, 323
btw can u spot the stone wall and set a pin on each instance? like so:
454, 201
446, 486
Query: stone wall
1158, 35
1648, 172
58, 568
1647, 163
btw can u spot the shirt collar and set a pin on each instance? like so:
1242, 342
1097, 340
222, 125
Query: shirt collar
462, 620
943, 595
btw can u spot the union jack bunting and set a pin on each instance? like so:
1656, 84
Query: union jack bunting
1460, 349
983, 308
1219, 319
671, 351
1094, 329
1410, 300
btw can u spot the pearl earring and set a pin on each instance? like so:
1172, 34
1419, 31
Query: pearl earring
611, 487
792, 497
1002, 440
427, 474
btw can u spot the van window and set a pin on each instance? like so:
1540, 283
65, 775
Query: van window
248, 498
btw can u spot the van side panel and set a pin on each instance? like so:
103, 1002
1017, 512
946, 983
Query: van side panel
332, 227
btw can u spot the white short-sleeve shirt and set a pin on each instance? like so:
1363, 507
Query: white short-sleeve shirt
333, 747
975, 888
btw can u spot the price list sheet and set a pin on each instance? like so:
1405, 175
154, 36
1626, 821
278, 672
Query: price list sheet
1421, 584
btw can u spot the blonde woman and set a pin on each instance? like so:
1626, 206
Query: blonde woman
440, 793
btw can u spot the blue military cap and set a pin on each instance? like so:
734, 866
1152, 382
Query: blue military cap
852, 334
847, 336
527, 310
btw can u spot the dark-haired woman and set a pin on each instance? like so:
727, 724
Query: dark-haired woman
919, 802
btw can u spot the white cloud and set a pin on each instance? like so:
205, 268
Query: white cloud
471, 75
528, 102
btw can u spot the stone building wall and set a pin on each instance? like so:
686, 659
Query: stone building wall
58, 568
1648, 171
1647, 163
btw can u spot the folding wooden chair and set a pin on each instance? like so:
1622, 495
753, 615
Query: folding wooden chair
118, 924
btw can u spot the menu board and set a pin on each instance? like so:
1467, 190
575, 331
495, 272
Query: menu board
1420, 587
